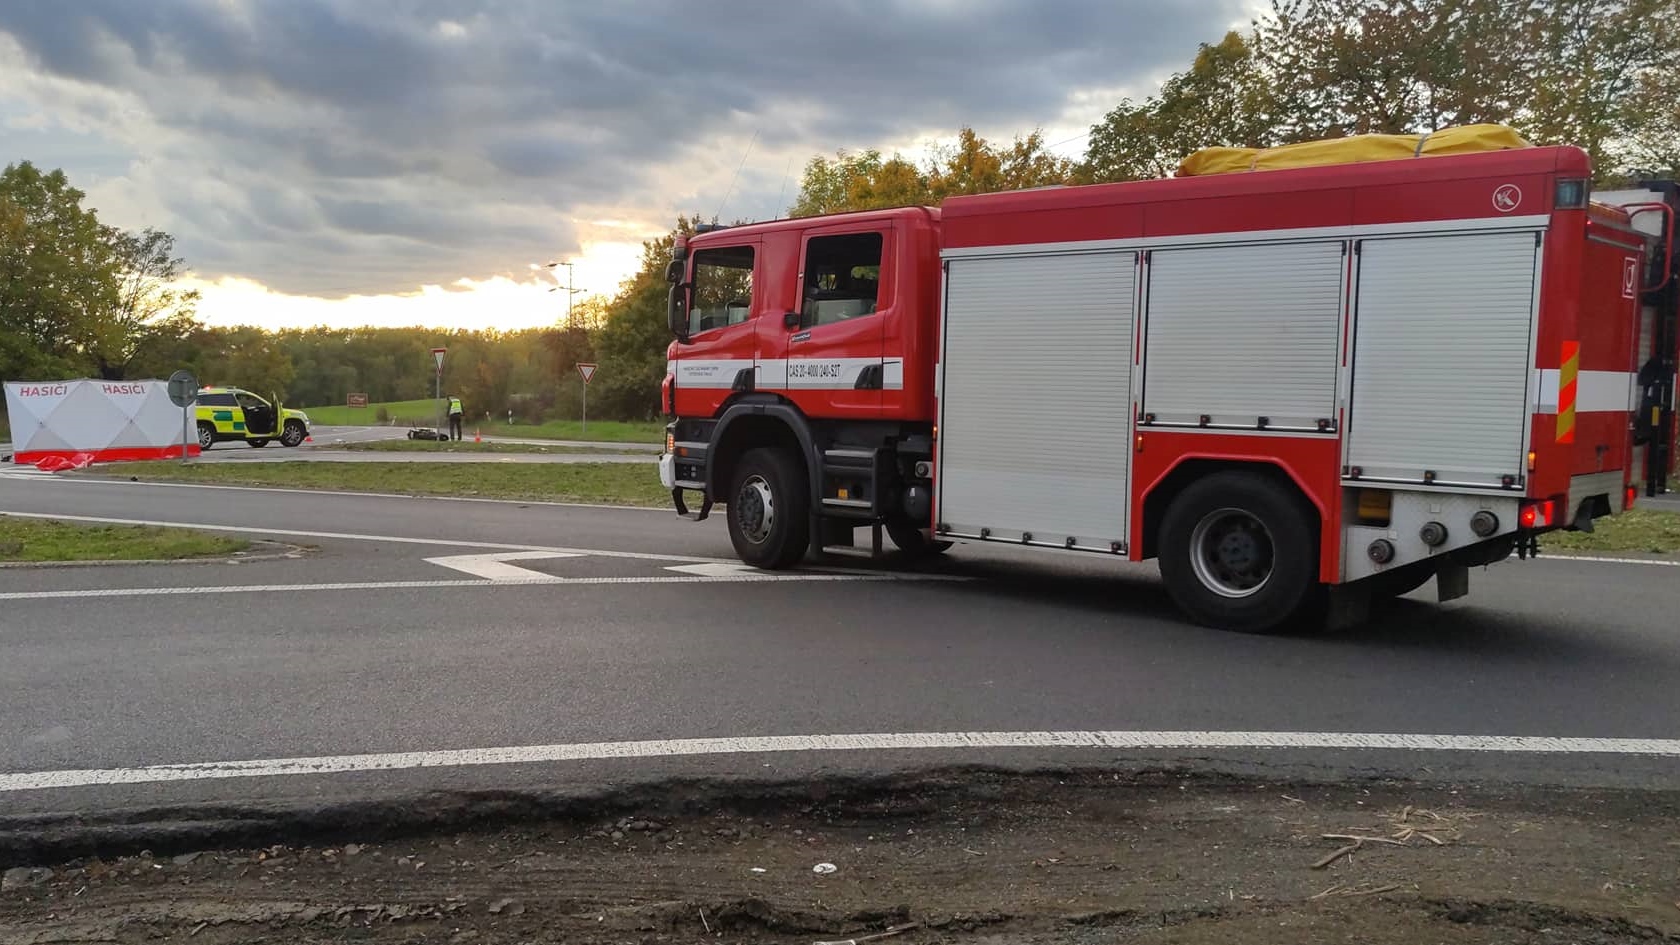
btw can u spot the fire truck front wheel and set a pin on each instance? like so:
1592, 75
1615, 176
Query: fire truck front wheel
769, 509
1239, 551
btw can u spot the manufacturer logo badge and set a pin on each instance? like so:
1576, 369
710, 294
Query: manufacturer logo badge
1506, 198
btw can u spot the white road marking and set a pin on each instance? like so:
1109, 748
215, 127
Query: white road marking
720, 569
773, 744
1656, 562
494, 566
350, 536
755, 577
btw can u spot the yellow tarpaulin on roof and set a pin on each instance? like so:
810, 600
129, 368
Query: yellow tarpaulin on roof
1359, 148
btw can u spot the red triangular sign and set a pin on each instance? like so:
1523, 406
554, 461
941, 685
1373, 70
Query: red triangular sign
587, 369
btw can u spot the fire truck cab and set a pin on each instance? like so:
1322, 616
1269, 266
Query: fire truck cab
1302, 390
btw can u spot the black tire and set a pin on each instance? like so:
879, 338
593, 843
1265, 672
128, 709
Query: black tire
256, 444
1239, 551
769, 509
913, 541
293, 434
206, 435
1401, 581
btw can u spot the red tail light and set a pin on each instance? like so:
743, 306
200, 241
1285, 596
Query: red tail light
1632, 498
1538, 514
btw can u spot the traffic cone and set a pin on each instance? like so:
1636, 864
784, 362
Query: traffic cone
476, 437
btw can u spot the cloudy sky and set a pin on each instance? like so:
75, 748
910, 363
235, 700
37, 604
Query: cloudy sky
407, 161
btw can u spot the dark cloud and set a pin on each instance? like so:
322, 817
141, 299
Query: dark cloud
298, 138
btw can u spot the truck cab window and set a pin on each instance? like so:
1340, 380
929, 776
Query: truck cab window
842, 278
722, 288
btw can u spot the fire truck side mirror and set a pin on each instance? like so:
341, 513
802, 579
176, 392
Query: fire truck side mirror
677, 312
674, 271
790, 321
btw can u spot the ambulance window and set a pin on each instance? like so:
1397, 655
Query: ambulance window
842, 278
216, 400
722, 288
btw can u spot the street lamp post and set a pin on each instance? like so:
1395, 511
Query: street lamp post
571, 290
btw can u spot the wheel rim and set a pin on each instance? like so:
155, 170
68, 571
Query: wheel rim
1232, 553
205, 438
755, 509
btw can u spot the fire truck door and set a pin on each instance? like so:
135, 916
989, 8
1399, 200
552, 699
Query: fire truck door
833, 365
727, 303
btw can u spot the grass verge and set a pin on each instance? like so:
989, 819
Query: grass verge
600, 483
29, 539
425, 413
1643, 531
467, 446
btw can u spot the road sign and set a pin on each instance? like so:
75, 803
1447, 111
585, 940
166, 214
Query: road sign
357, 400
437, 354
183, 391
183, 388
587, 369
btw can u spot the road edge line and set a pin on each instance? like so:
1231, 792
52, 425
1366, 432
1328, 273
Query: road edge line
788, 744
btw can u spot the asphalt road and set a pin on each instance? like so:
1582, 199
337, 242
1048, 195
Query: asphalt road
363, 646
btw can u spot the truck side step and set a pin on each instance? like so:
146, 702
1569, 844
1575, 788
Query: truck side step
851, 482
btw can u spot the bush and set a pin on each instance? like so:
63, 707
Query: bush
382, 415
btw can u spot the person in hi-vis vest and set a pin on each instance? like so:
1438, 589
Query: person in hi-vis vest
455, 417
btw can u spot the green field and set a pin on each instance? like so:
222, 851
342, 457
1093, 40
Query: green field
403, 413
426, 413
1641, 531
468, 446
39, 540
602, 483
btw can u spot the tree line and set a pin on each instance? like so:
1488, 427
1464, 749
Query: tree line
79, 298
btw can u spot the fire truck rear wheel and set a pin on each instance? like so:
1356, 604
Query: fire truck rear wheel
1239, 551
769, 509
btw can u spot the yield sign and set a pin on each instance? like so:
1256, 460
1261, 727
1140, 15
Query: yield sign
437, 353
587, 369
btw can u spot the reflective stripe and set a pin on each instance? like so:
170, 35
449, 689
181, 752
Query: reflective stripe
785, 373
1570, 367
1595, 391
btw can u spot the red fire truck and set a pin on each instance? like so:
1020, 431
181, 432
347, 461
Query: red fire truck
1301, 390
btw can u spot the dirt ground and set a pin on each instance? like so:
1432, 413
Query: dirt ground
974, 858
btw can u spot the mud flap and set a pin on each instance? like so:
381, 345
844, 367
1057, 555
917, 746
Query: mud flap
1452, 581
682, 507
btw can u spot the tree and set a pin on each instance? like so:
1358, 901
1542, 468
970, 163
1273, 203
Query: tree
1220, 100
975, 166
77, 296
1653, 148
148, 305
631, 345
830, 185
248, 357
1598, 74
56, 273
972, 165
